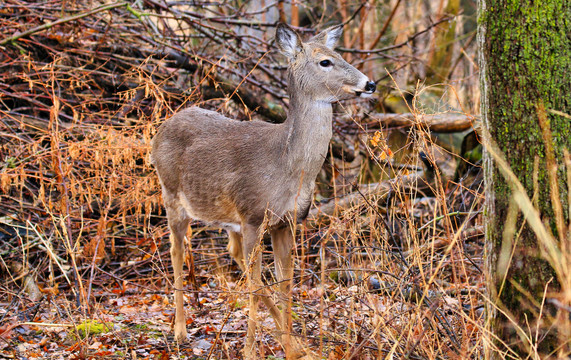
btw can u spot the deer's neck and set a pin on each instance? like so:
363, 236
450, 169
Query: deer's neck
308, 128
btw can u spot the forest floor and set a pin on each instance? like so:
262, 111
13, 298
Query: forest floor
343, 319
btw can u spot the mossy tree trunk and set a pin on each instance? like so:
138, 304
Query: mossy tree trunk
525, 64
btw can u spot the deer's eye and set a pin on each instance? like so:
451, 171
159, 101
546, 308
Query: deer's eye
325, 63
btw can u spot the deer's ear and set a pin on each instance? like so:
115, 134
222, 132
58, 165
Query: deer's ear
288, 41
329, 36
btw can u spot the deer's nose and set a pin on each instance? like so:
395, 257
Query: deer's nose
370, 86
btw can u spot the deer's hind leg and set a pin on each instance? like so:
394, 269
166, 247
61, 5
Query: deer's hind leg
178, 221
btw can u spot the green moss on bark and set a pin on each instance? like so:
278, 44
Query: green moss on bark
527, 48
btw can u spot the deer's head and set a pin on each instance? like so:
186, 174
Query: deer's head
316, 70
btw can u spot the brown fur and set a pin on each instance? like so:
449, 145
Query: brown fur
242, 175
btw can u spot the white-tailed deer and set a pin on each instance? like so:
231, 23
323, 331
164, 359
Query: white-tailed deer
249, 176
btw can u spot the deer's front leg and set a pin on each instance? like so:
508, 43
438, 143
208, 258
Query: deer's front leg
235, 241
282, 244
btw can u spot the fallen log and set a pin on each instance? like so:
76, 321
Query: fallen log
380, 190
443, 123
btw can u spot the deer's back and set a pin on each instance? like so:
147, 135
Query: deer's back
221, 170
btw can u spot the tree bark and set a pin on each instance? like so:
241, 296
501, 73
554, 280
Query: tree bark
525, 64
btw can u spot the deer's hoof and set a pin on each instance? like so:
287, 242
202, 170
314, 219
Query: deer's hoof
180, 334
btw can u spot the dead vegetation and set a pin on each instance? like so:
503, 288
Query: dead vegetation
389, 264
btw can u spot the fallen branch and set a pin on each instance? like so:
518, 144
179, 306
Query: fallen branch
444, 123
380, 189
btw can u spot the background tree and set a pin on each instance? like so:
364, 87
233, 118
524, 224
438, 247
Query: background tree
525, 77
